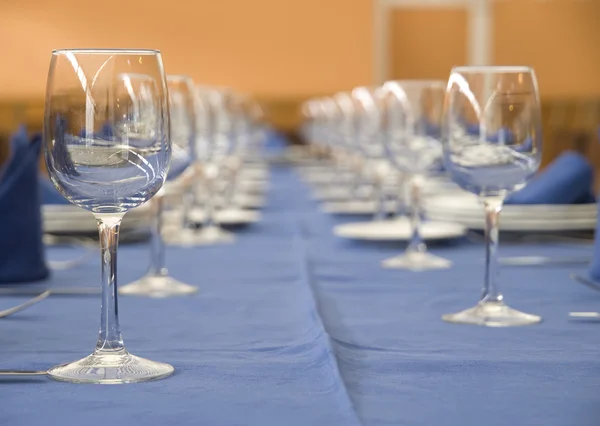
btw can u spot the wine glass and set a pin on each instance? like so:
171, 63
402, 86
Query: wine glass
369, 140
215, 142
413, 111
157, 282
492, 147
238, 108
107, 149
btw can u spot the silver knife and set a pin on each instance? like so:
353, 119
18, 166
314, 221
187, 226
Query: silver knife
543, 260
54, 291
23, 373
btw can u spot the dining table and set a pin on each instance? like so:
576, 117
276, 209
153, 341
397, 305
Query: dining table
294, 326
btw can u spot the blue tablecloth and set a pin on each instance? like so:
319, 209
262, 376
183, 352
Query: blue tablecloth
295, 327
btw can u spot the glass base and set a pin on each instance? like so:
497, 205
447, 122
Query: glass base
110, 368
199, 237
158, 286
492, 314
417, 261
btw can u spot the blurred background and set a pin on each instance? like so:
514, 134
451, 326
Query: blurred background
285, 51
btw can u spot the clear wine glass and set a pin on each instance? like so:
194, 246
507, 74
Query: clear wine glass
369, 140
157, 282
337, 113
238, 108
214, 142
107, 150
413, 112
502, 154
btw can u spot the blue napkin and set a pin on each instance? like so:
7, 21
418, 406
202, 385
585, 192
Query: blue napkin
21, 247
595, 263
568, 180
49, 194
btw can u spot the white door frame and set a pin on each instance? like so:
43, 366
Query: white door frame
479, 40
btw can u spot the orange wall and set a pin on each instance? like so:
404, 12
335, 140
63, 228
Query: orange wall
267, 47
289, 48
427, 43
559, 38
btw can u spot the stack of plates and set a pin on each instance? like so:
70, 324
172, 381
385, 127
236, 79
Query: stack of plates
466, 209
70, 219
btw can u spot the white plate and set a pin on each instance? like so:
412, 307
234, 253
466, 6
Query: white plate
255, 173
464, 208
243, 186
251, 201
356, 207
68, 218
88, 225
240, 200
398, 230
327, 176
341, 193
521, 225
72, 212
467, 203
431, 187
228, 216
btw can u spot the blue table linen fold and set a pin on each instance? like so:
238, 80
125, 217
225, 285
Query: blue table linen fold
293, 326
249, 349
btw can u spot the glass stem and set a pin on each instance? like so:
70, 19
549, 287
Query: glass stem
381, 211
188, 201
232, 188
416, 243
210, 220
109, 337
492, 222
400, 198
157, 249
358, 179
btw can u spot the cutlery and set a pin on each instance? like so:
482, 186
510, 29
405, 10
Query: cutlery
63, 240
56, 291
585, 314
22, 373
585, 281
583, 238
25, 305
543, 260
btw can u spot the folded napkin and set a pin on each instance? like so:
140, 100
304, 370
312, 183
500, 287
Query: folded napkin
567, 180
21, 247
595, 264
594, 270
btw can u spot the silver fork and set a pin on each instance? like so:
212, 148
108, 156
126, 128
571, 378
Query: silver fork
22, 373
87, 243
543, 260
25, 305
585, 281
